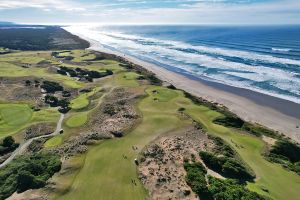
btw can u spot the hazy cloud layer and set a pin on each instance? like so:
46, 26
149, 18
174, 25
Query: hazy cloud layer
152, 11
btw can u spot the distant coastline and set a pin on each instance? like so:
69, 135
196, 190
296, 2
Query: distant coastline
278, 114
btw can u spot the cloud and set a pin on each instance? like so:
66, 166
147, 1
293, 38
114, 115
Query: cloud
45, 5
160, 11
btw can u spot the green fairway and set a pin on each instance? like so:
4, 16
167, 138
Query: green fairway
15, 117
107, 181
127, 79
102, 172
15, 114
270, 176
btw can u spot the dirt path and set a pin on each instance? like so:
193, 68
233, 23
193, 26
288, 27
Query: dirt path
26, 143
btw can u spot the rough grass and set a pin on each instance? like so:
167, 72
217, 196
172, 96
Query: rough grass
12, 70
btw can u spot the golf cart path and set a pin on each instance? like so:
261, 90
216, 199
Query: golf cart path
26, 143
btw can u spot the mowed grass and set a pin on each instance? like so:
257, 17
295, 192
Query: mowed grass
53, 142
77, 119
106, 174
127, 79
82, 100
107, 180
9, 68
15, 117
12, 117
14, 114
280, 183
79, 55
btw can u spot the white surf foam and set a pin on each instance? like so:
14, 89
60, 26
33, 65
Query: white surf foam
228, 72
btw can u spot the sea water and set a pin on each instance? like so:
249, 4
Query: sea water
260, 58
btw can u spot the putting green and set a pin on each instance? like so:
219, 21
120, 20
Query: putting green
53, 142
82, 100
77, 119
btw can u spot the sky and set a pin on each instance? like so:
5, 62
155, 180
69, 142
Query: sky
151, 11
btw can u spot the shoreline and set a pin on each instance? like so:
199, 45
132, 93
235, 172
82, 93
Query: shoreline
275, 113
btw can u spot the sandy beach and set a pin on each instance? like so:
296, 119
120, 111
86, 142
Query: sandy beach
278, 114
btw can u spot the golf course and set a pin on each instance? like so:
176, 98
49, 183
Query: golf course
106, 169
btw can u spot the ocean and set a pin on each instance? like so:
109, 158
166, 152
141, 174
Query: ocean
264, 59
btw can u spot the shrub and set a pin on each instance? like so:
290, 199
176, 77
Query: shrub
259, 130
8, 145
181, 109
51, 100
195, 178
287, 149
8, 141
230, 190
230, 121
221, 147
51, 87
28, 172
287, 154
228, 167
